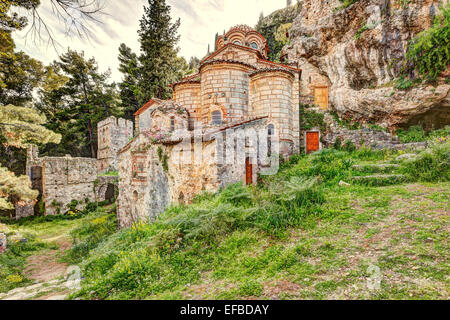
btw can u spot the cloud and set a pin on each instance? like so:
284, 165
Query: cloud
200, 21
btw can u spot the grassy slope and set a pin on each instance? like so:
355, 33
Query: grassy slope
279, 241
45, 235
295, 236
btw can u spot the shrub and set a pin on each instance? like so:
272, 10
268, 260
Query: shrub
90, 234
414, 134
429, 51
431, 165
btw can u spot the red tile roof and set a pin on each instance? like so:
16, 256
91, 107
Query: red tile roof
146, 106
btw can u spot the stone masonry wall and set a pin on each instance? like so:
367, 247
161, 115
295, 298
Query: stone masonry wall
113, 134
188, 95
271, 95
225, 85
67, 179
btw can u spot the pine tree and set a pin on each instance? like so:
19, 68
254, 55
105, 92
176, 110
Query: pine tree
79, 104
129, 87
158, 38
20, 127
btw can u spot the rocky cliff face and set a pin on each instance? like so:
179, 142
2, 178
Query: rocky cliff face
359, 51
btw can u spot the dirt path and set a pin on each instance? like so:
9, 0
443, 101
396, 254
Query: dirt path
48, 274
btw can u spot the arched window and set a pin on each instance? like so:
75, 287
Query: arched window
237, 42
270, 129
172, 124
255, 45
216, 117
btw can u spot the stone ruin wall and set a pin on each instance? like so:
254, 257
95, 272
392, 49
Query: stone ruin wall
63, 180
146, 194
113, 134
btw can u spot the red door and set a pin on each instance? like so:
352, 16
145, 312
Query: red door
248, 172
312, 142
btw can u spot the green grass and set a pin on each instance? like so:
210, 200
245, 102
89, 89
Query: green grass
47, 233
297, 235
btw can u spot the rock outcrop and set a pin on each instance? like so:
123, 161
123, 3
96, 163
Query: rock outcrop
358, 51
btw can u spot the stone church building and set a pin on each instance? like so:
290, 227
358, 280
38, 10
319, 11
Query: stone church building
217, 129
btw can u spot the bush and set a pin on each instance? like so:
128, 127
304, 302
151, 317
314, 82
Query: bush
88, 236
429, 51
432, 165
414, 134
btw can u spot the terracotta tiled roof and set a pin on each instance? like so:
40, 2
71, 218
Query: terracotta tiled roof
280, 65
271, 70
231, 45
150, 103
219, 61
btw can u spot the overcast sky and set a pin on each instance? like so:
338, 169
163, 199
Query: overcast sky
200, 20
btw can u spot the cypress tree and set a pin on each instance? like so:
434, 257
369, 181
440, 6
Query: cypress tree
158, 37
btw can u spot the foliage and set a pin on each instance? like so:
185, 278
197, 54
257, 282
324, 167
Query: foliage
403, 83
361, 31
346, 3
14, 189
345, 123
12, 262
20, 126
311, 119
160, 65
429, 52
282, 34
276, 25
77, 104
431, 165
418, 134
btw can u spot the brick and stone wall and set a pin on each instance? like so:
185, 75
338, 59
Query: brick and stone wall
225, 86
188, 95
153, 177
113, 134
271, 94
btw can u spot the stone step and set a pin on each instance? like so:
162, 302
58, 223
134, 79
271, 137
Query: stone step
375, 166
382, 168
380, 179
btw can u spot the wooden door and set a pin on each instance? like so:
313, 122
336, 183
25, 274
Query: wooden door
321, 97
248, 172
312, 142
